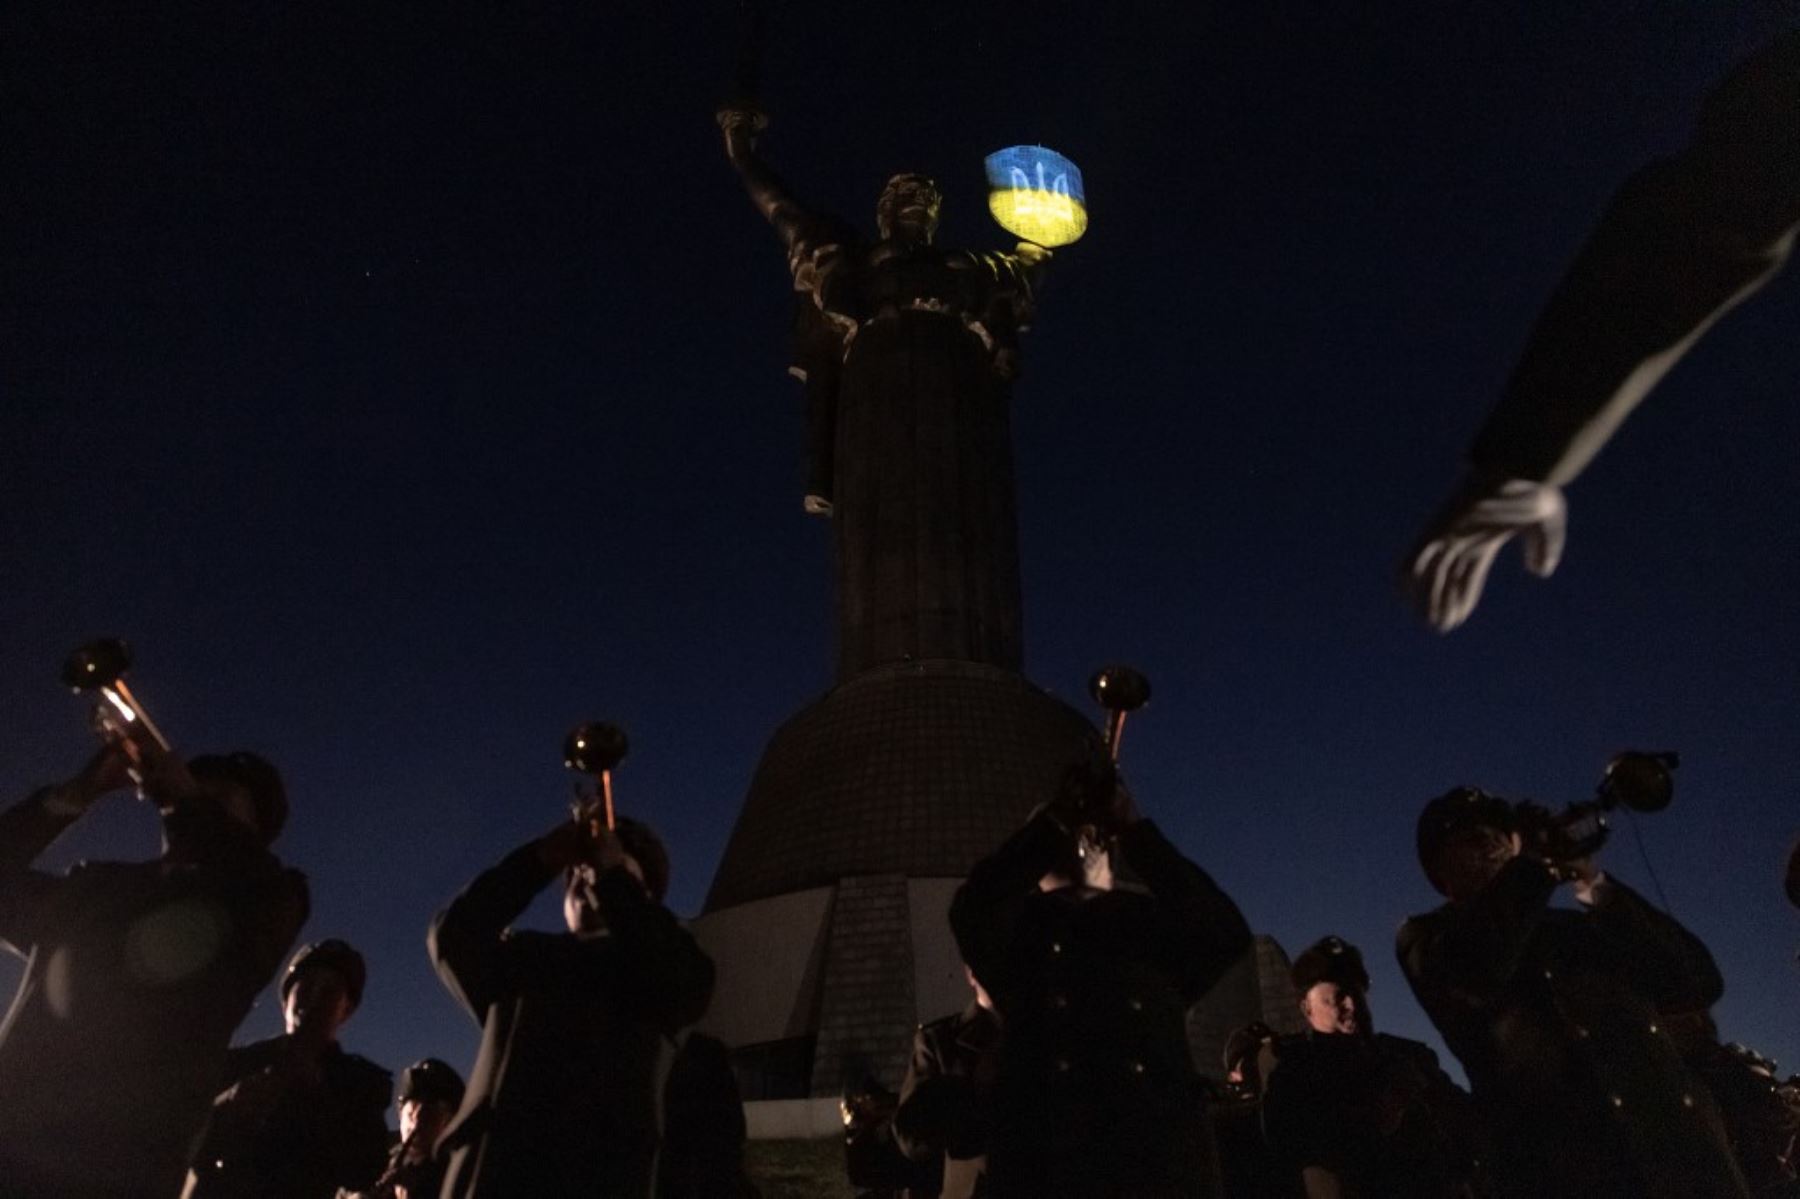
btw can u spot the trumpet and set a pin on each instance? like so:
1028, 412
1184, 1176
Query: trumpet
596, 748
1119, 690
1637, 780
99, 667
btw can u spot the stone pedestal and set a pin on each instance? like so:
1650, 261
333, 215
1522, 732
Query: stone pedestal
913, 768
827, 917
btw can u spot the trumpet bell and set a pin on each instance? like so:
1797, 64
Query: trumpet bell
595, 747
1642, 782
1119, 688
97, 664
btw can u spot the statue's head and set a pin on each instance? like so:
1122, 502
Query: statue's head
908, 209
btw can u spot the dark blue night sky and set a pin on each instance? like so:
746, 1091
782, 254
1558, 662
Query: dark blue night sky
409, 387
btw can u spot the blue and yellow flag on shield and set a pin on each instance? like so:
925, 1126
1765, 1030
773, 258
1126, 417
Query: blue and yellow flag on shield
1036, 194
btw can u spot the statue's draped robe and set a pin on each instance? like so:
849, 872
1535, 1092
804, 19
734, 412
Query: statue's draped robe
924, 344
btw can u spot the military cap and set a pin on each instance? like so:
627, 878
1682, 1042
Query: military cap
332, 954
1330, 959
260, 780
1455, 810
430, 1080
647, 849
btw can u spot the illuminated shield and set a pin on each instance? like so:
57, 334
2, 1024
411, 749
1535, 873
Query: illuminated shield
1036, 194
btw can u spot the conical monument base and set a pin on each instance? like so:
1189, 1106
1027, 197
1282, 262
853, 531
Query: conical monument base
828, 916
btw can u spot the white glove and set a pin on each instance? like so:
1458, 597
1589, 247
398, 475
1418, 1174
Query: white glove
1447, 571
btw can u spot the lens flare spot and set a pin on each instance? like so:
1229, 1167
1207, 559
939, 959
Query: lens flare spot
174, 943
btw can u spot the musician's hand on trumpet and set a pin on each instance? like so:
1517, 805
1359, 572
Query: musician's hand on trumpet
567, 845
116, 765
584, 852
163, 776
583, 841
1093, 802
109, 770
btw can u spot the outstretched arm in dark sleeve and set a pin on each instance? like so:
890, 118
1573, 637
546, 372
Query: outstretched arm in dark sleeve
1668, 963
465, 941
1684, 242
985, 907
27, 829
1203, 932
30, 827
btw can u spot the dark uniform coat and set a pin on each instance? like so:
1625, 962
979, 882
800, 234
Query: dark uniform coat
311, 1136
1248, 1168
703, 1125
578, 1036
946, 1102
1554, 1015
137, 974
1762, 1126
1369, 1116
874, 1164
408, 1166
1097, 1096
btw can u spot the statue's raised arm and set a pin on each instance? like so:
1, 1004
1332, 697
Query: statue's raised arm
1684, 242
741, 127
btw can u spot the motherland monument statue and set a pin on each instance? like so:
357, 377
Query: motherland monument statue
908, 351
828, 914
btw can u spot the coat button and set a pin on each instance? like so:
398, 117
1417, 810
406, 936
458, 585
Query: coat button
1581, 1031
1654, 1029
1056, 947
1137, 1067
1549, 973
1062, 1065
1687, 1101
1616, 1101
1136, 1005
